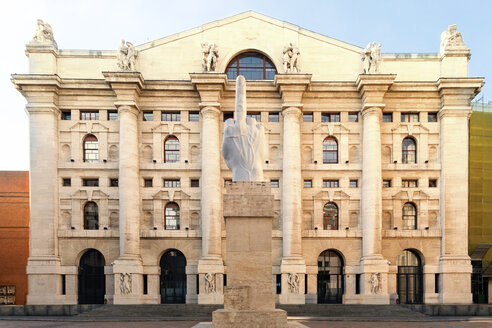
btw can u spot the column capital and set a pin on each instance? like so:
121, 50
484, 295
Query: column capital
373, 109
292, 88
210, 112
40, 90
210, 87
128, 108
292, 111
126, 85
373, 87
456, 92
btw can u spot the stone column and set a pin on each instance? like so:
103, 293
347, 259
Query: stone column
210, 87
373, 268
128, 269
293, 266
43, 264
454, 264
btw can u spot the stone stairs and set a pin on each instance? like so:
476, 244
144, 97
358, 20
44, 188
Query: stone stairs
205, 311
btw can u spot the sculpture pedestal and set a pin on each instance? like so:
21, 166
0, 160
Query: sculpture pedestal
249, 298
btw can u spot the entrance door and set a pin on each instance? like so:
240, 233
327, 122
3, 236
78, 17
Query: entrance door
173, 277
409, 278
330, 277
92, 282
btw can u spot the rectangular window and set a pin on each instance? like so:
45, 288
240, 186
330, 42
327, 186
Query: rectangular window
386, 183
330, 183
67, 182
274, 183
226, 181
171, 116
307, 117
353, 117
432, 183
194, 116
145, 284
305, 283
357, 283
90, 182
112, 115
278, 283
197, 284
172, 183
436, 283
387, 117
255, 115
431, 117
195, 183
63, 285
113, 182
409, 117
147, 183
308, 183
89, 115
228, 115
354, 183
225, 280
66, 116
273, 117
148, 116
409, 183
330, 117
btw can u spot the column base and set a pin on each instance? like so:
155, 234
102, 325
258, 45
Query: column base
44, 281
127, 280
455, 280
211, 265
249, 318
293, 270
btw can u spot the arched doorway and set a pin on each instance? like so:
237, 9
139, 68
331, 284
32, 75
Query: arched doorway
92, 282
410, 278
173, 277
330, 277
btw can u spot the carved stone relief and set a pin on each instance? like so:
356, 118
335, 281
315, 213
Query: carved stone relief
125, 283
210, 53
375, 283
44, 34
210, 283
291, 59
293, 281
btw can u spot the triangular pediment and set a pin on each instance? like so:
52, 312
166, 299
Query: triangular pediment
178, 55
89, 127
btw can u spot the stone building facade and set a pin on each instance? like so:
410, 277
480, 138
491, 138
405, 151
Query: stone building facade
367, 159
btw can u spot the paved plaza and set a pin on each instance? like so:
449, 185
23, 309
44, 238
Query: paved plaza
472, 322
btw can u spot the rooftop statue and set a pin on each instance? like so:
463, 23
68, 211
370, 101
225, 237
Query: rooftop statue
126, 57
210, 53
291, 59
371, 58
452, 40
244, 145
44, 34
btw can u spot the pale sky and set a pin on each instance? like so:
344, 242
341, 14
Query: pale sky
411, 26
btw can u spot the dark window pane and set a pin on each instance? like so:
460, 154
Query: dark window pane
432, 183
195, 183
353, 183
353, 117
67, 182
228, 115
387, 117
90, 182
432, 117
308, 183
256, 116
113, 182
307, 117
274, 183
147, 183
66, 116
148, 116
112, 115
89, 115
171, 116
194, 116
172, 183
386, 183
273, 117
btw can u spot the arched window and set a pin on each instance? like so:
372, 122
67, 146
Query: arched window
91, 149
251, 65
330, 216
171, 150
172, 216
91, 216
330, 150
409, 216
409, 151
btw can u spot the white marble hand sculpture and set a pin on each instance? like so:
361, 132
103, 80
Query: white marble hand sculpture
244, 146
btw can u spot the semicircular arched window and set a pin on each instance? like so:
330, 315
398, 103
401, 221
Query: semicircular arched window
251, 65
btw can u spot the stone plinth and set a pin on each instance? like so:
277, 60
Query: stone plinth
249, 298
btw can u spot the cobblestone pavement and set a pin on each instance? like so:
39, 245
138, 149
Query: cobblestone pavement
60, 323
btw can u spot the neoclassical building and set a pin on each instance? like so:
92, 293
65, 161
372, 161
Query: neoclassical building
367, 161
